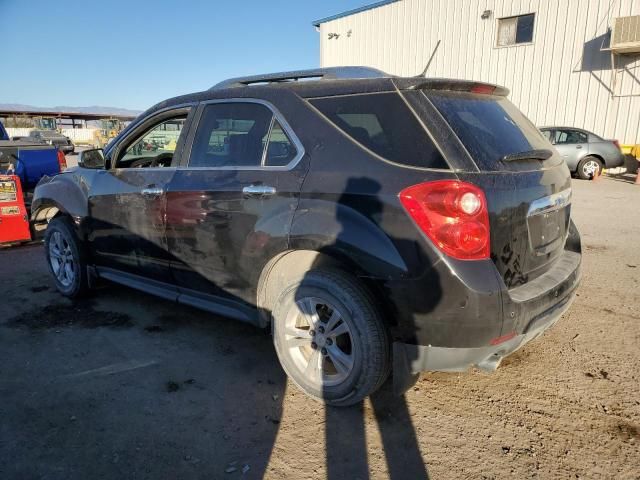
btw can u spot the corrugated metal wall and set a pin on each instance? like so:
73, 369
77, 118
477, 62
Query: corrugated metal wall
562, 78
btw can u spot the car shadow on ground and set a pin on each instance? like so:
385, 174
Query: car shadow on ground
125, 385
624, 177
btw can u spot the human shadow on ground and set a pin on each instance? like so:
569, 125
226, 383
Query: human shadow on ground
347, 451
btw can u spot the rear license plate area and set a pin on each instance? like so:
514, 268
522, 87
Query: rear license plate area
548, 230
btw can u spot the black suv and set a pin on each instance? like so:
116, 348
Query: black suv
374, 223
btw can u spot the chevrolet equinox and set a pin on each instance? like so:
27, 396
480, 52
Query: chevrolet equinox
376, 224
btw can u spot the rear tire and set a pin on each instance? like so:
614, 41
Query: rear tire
330, 337
589, 167
66, 258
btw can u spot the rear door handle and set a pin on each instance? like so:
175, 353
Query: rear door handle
578, 146
151, 192
258, 191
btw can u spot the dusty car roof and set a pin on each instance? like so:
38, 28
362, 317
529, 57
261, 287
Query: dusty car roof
314, 83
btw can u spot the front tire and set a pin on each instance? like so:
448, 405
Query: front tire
330, 337
589, 167
66, 258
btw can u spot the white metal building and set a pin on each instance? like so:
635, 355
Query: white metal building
566, 62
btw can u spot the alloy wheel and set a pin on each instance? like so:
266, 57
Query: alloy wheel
61, 259
320, 341
590, 168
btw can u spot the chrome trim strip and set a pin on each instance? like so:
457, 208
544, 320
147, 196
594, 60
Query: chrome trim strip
265, 150
551, 203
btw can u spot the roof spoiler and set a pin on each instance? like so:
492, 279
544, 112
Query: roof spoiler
421, 83
330, 73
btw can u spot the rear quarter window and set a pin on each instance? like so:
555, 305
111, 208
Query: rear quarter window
383, 124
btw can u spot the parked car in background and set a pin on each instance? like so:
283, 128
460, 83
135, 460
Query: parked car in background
29, 160
585, 152
51, 137
375, 224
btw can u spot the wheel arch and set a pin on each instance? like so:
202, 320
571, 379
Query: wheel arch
597, 156
325, 233
47, 210
59, 197
293, 264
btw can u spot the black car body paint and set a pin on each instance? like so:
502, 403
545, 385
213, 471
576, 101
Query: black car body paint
204, 241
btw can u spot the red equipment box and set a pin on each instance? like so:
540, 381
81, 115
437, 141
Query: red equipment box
14, 220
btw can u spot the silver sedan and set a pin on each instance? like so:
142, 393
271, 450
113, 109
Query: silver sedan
585, 152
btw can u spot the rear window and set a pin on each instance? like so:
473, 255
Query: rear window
384, 124
490, 127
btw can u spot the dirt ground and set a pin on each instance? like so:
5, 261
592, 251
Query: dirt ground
124, 385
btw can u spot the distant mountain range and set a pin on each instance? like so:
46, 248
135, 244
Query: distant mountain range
94, 109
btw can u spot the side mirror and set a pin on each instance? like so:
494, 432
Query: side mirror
93, 158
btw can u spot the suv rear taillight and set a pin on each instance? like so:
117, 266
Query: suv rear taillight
62, 160
617, 144
453, 215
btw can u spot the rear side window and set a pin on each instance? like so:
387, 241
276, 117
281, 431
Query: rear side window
240, 134
570, 137
280, 151
489, 126
383, 124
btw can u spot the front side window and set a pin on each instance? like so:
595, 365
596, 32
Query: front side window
155, 147
240, 134
515, 30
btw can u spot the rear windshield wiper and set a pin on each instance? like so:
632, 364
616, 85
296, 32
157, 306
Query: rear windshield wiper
542, 154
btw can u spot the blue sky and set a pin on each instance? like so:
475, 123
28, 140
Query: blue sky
133, 54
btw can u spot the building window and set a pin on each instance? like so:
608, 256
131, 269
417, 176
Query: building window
515, 30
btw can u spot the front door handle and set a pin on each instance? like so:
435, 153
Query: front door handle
258, 191
578, 146
152, 192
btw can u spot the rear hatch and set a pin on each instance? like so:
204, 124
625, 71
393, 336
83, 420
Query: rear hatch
527, 184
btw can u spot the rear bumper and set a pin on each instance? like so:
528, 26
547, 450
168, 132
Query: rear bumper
413, 359
614, 161
528, 311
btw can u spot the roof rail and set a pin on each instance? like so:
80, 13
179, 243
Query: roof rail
330, 73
